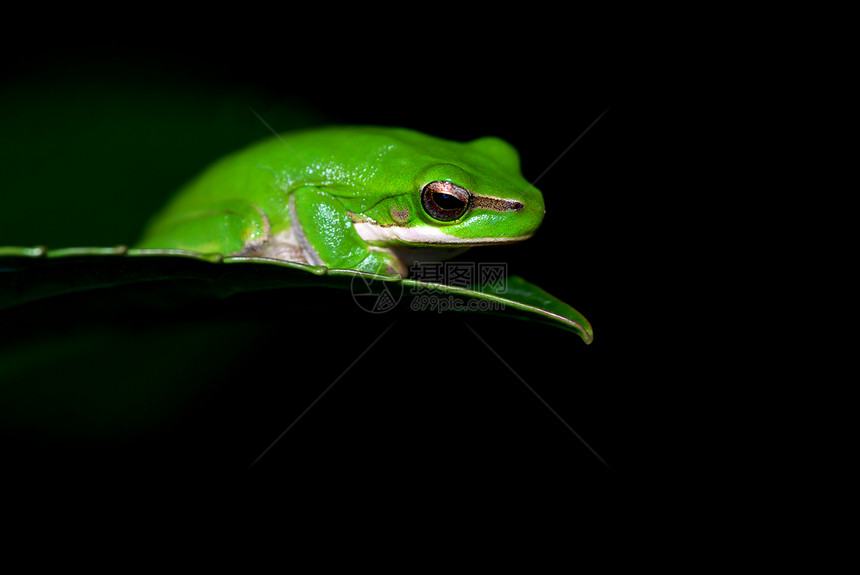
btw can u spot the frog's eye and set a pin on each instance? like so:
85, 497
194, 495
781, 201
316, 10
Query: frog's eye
445, 201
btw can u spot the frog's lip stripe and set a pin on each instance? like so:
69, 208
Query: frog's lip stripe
370, 232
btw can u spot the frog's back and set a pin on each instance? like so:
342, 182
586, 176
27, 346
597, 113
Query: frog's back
262, 174
308, 155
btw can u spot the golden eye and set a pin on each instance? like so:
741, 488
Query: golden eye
445, 201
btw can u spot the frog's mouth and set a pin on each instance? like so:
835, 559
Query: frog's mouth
374, 233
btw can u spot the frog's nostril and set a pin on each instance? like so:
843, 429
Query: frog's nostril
516, 206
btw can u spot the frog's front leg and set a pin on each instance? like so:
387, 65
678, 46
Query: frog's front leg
322, 227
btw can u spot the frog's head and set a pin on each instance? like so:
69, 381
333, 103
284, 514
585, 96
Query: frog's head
453, 195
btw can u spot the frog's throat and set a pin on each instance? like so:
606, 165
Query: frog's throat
424, 236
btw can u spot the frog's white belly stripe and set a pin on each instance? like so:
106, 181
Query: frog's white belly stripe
371, 232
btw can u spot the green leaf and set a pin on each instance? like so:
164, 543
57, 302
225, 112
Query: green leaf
29, 274
101, 344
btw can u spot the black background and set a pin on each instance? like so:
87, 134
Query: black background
430, 400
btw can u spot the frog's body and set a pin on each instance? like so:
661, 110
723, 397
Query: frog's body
363, 198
